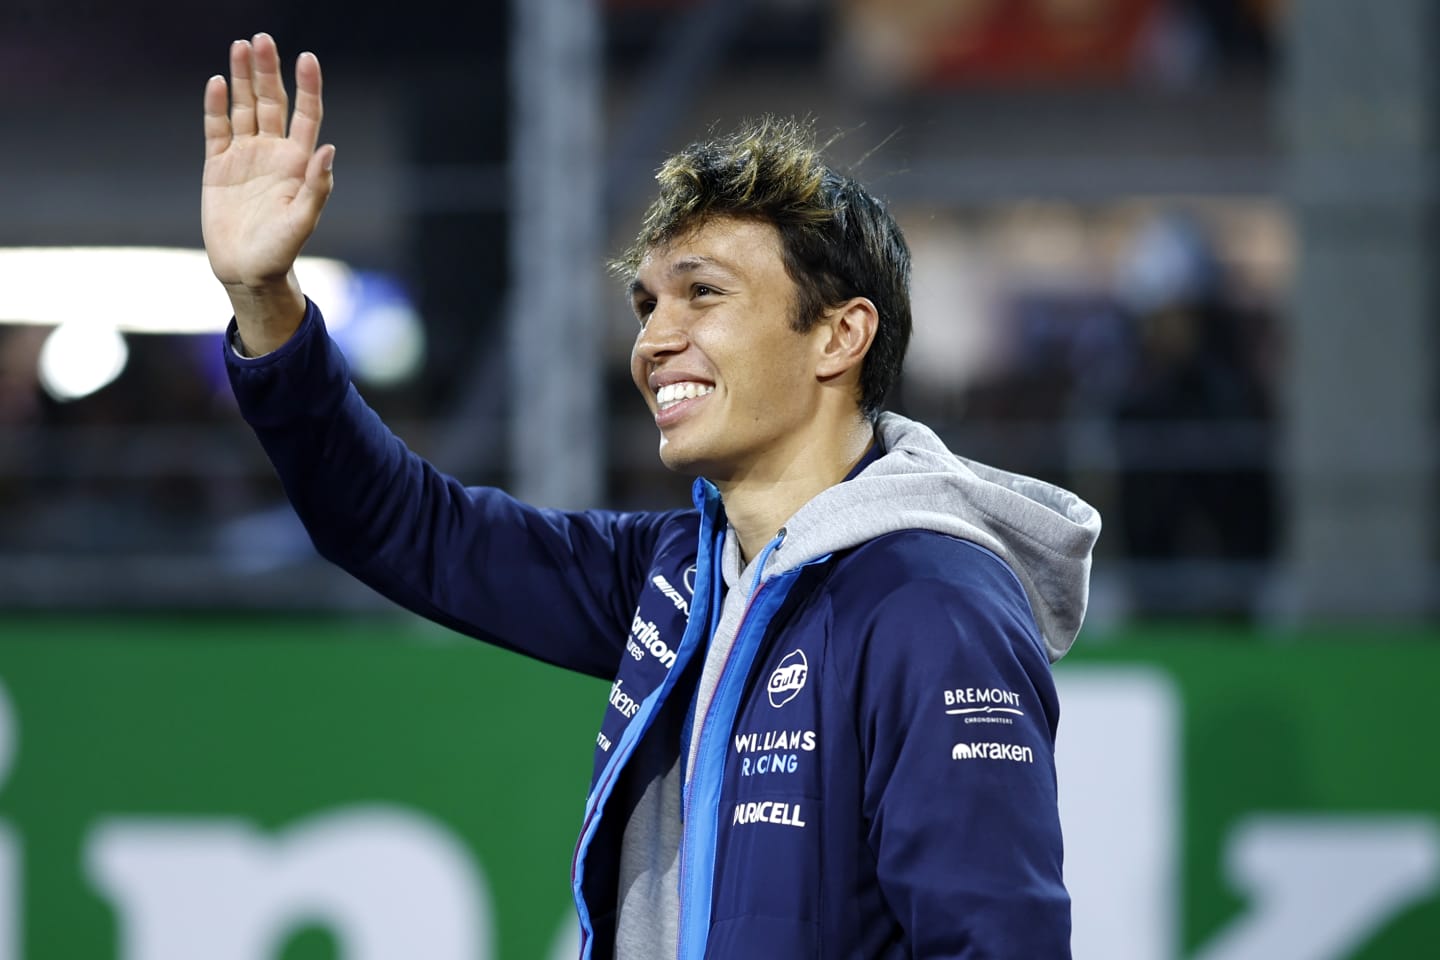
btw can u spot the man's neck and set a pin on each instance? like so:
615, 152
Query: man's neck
759, 503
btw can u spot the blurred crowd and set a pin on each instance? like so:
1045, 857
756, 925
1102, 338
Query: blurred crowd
1136, 358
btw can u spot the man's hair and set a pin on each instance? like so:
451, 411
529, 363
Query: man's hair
836, 239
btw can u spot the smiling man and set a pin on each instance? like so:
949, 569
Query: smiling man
767, 412
831, 720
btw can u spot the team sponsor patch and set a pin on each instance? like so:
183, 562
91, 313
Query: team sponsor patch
645, 638
664, 587
1015, 753
983, 704
622, 701
788, 679
768, 811
766, 741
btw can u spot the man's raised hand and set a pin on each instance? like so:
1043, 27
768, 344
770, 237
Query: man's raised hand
263, 187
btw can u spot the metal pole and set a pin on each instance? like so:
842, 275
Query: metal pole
1361, 114
555, 302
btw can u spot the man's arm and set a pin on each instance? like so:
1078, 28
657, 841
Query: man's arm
263, 187
957, 711
549, 584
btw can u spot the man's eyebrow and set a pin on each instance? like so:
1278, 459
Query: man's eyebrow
690, 264
696, 262
682, 266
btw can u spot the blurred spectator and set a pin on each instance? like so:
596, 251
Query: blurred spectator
1149, 338
948, 43
1193, 416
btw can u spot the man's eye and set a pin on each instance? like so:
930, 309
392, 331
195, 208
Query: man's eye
643, 309
701, 289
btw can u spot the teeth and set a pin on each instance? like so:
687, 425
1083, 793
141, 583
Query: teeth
673, 393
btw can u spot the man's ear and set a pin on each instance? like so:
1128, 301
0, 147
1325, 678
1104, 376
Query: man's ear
849, 329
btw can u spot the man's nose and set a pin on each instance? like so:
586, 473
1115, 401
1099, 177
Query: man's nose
663, 334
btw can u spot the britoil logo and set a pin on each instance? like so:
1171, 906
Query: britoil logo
645, 637
788, 679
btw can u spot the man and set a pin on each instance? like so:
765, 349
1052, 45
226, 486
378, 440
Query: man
831, 723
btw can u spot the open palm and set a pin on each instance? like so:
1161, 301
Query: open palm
263, 187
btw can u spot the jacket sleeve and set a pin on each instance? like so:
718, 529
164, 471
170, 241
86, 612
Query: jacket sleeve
956, 713
554, 585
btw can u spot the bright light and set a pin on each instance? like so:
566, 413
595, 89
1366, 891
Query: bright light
80, 357
142, 289
93, 295
385, 344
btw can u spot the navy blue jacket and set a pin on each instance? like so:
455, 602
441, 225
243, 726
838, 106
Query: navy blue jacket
875, 777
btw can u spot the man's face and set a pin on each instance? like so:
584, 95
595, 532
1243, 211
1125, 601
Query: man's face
732, 386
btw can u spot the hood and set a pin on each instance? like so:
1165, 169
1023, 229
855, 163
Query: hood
1043, 532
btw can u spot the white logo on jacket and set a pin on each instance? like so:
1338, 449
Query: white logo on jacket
767, 740
993, 751
622, 701
788, 679
645, 637
982, 700
768, 811
680, 602
983, 704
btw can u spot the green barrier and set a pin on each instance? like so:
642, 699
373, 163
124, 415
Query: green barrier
1329, 736
119, 728
315, 789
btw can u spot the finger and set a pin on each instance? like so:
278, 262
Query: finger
271, 102
305, 125
242, 90
319, 182
217, 120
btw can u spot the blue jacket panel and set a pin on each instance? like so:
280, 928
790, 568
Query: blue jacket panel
864, 815
472, 558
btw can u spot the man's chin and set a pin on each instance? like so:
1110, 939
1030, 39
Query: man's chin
686, 462
675, 459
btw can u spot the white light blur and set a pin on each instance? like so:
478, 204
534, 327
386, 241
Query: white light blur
386, 344
80, 357
143, 289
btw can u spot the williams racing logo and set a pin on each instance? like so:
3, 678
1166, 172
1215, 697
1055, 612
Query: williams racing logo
788, 679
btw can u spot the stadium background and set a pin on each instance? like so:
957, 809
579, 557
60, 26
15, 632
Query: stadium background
1176, 254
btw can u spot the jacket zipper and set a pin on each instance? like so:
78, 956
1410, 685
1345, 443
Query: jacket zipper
687, 882
623, 748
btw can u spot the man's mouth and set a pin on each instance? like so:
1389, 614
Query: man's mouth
673, 393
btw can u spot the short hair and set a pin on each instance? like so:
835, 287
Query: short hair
837, 240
